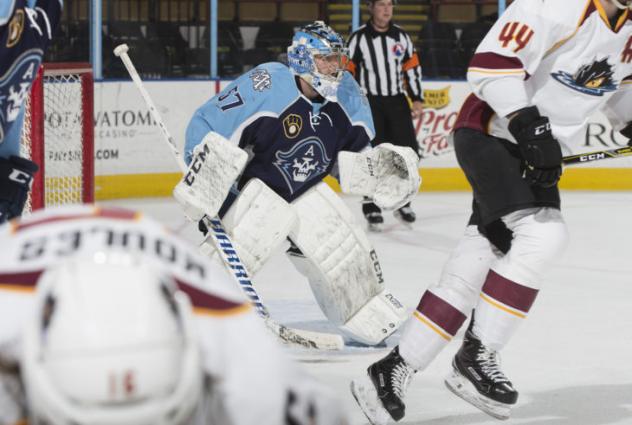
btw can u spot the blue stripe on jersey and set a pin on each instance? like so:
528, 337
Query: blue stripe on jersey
266, 90
6, 10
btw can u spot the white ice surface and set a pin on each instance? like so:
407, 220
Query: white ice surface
572, 358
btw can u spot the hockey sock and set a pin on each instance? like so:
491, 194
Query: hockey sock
502, 307
432, 327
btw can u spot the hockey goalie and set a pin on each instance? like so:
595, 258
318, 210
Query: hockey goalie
257, 154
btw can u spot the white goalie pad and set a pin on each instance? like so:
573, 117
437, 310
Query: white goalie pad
377, 319
216, 164
257, 222
389, 174
341, 266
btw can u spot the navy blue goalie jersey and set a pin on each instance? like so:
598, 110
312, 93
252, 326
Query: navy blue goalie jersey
26, 29
292, 141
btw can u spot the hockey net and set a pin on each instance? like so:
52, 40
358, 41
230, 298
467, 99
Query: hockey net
58, 135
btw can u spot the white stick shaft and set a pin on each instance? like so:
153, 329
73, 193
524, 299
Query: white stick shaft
152, 108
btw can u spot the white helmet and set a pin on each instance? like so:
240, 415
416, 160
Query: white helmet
111, 342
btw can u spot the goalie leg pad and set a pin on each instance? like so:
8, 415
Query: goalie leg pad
337, 258
257, 222
215, 166
377, 319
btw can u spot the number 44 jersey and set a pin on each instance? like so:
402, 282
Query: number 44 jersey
565, 57
293, 142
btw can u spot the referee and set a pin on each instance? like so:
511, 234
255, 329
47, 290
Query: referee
384, 62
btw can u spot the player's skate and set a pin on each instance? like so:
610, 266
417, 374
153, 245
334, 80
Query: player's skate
476, 378
380, 393
405, 214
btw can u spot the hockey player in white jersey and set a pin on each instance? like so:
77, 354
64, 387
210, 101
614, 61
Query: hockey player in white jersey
108, 318
258, 152
542, 70
26, 31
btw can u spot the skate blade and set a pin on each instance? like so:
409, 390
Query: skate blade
365, 395
463, 388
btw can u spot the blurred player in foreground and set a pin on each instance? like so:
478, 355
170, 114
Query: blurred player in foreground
108, 318
258, 153
543, 69
26, 30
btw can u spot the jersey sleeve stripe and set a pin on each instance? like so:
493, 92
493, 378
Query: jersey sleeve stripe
499, 72
109, 213
494, 61
206, 303
23, 281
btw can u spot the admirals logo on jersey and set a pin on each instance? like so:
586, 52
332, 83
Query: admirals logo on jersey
306, 160
14, 87
593, 79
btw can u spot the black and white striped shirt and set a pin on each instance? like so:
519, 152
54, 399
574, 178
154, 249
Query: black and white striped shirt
381, 61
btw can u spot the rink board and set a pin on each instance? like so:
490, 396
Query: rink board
132, 160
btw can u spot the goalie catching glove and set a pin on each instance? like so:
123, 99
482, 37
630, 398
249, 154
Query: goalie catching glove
215, 166
389, 174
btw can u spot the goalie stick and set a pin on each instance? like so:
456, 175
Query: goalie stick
597, 155
223, 244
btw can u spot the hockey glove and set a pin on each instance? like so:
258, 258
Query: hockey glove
627, 132
16, 175
541, 152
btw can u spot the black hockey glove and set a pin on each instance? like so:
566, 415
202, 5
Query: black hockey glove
541, 152
498, 234
16, 175
627, 132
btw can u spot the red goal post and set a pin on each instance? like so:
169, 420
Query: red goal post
58, 135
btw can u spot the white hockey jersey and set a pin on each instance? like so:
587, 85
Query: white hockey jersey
563, 56
251, 376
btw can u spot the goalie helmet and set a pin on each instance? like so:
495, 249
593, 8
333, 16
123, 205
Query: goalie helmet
111, 342
318, 55
623, 4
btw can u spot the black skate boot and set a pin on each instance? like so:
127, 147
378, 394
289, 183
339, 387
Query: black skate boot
381, 392
405, 214
476, 378
373, 215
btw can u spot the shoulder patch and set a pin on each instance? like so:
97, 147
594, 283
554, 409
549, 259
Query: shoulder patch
261, 79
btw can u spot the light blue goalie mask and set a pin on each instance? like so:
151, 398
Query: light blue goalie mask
318, 55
